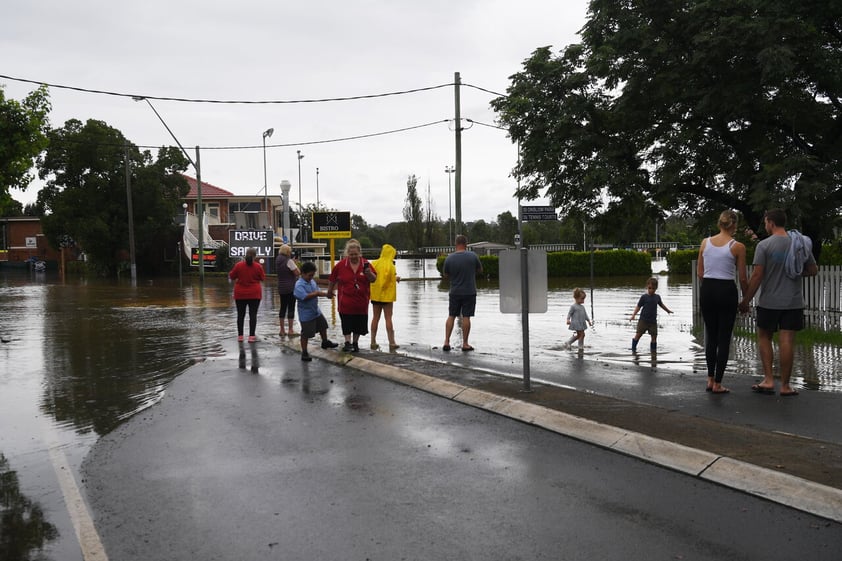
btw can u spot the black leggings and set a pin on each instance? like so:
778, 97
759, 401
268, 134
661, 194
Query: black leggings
241, 314
718, 300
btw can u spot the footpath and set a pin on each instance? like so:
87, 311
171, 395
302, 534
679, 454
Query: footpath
785, 449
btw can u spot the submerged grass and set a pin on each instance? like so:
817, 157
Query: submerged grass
808, 336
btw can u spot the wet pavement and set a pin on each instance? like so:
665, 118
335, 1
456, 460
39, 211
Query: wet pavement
395, 456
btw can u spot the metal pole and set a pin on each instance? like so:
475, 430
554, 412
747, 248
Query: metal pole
200, 215
524, 316
131, 215
300, 206
317, 188
448, 170
458, 189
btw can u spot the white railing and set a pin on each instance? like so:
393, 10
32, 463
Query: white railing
822, 293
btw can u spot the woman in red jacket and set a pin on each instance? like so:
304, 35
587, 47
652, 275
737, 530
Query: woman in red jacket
352, 277
247, 276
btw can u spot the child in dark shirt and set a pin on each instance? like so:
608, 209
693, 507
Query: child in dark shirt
647, 305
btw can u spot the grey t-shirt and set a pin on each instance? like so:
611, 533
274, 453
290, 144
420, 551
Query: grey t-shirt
462, 268
777, 291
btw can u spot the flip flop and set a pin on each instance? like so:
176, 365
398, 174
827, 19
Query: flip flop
445, 348
723, 390
788, 394
757, 388
467, 349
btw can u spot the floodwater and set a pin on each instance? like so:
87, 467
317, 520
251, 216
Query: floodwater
80, 357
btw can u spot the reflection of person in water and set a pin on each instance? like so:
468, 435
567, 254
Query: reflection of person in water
22, 519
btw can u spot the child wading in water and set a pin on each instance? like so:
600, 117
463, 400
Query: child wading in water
577, 319
649, 303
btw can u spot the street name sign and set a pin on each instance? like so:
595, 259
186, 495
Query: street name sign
532, 213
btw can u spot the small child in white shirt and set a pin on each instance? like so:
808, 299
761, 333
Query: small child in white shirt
577, 319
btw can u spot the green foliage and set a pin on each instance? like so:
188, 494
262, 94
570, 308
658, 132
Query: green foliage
86, 197
686, 107
618, 262
831, 255
680, 262
23, 135
413, 213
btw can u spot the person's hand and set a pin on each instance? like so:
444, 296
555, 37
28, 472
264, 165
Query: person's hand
743, 307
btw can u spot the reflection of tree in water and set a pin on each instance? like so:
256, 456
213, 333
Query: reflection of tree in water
23, 529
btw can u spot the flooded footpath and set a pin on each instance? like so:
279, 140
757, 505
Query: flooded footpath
80, 357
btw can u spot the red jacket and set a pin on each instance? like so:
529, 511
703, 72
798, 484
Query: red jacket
247, 279
352, 289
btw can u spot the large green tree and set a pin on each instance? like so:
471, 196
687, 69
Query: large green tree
689, 106
85, 196
23, 135
413, 213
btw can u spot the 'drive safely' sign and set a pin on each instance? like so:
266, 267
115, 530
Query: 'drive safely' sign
261, 240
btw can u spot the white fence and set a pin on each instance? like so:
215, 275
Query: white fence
822, 293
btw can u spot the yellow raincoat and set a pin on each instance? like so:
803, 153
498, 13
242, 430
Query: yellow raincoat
385, 288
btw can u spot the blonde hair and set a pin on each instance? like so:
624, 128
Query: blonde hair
285, 250
728, 219
578, 293
351, 243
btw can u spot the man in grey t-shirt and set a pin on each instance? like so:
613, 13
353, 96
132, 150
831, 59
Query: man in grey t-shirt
780, 305
461, 267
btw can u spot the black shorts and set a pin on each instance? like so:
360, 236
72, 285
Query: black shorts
786, 320
310, 328
354, 323
462, 305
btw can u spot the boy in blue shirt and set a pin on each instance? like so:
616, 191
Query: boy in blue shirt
309, 315
649, 303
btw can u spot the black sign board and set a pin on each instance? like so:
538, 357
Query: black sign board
531, 213
263, 241
331, 225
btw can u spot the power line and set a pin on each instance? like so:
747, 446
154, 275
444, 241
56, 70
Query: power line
285, 145
221, 101
242, 101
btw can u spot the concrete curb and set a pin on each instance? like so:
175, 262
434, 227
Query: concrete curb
795, 492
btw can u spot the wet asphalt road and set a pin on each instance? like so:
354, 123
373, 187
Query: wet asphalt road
318, 461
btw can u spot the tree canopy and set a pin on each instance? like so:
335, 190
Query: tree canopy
85, 196
687, 106
23, 135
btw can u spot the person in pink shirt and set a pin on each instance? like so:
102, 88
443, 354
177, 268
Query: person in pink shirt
352, 277
247, 275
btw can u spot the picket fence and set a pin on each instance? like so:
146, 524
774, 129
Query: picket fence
822, 293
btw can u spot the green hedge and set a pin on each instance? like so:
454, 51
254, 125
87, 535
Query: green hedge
619, 262
680, 262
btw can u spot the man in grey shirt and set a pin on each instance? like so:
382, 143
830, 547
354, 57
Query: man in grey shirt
461, 267
780, 305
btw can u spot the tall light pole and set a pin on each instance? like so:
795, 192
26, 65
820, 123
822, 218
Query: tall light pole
300, 207
266, 133
317, 187
448, 170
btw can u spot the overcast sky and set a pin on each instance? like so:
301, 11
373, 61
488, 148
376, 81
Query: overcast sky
276, 50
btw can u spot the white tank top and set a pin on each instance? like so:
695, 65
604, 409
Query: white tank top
720, 263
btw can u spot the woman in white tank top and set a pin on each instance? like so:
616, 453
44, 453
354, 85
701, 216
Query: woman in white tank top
721, 260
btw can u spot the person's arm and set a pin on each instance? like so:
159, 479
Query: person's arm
810, 270
740, 253
331, 285
634, 313
664, 306
753, 285
479, 264
700, 262
369, 272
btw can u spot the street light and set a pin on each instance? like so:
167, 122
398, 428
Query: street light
448, 170
300, 207
266, 133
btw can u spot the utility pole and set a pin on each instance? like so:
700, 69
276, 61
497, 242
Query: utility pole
457, 194
131, 214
